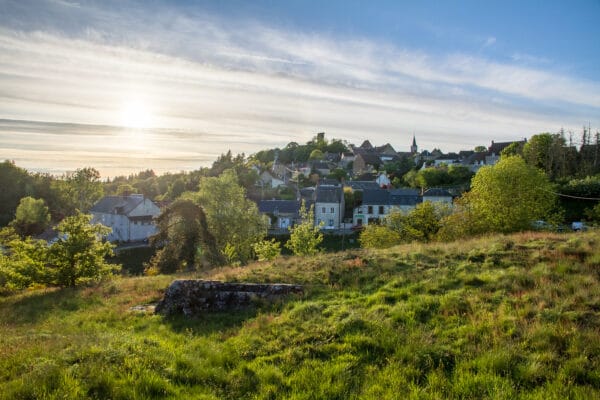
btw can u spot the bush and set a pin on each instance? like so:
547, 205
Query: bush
267, 250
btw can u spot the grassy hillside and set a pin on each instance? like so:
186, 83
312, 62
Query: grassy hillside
502, 317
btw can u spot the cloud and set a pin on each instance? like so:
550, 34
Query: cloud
216, 84
490, 41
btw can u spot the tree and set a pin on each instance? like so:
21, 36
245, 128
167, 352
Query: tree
24, 264
305, 237
78, 257
379, 237
316, 154
509, 196
547, 151
31, 217
232, 219
267, 250
184, 239
80, 190
16, 183
421, 223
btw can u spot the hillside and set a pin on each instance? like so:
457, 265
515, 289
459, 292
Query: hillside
503, 317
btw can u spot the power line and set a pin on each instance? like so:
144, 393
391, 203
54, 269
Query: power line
571, 196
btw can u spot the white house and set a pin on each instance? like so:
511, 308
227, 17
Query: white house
375, 206
329, 206
268, 180
130, 217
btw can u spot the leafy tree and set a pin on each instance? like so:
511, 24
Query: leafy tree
125, 189
379, 237
80, 190
24, 264
480, 149
508, 196
267, 250
338, 174
513, 149
548, 152
184, 239
16, 183
78, 257
232, 218
421, 223
459, 174
305, 237
316, 154
32, 216
593, 214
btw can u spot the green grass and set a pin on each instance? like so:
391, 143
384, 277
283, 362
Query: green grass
504, 317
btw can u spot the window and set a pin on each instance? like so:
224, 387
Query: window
359, 210
370, 210
323, 210
359, 221
381, 210
332, 210
330, 222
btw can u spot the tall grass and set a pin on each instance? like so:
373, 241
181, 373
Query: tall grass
502, 317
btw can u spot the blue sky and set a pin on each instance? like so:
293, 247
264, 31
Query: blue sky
126, 85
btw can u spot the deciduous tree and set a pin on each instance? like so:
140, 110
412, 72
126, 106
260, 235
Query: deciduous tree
305, 237
78, 257
510, 195
31, 217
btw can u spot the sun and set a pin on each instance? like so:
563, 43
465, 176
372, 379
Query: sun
135, 113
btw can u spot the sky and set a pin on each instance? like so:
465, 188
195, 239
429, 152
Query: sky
123, 86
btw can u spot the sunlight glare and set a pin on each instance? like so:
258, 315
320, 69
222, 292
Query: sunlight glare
136, 114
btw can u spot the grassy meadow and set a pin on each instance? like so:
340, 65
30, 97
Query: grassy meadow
502, 317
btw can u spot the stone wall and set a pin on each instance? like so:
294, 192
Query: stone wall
194, 297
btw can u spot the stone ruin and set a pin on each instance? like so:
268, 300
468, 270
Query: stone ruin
193, 297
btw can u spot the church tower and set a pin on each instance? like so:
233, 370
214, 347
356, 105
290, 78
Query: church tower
413, 148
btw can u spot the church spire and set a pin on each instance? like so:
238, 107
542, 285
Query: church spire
413, 148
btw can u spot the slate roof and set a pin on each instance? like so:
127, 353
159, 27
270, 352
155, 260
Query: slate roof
366, 145
405, 197
329, 194
279, 206
375, 197
437, 192
369, 158
497, 147
362, 185
121, 205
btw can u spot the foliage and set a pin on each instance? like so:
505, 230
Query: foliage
31, 217
24, 264
305, 237
593, 213
80, 190
508, 196
339, 174
78, 256
183, 239
549, 152
267, 250
376, 236
232, 218
316, 154
420, 224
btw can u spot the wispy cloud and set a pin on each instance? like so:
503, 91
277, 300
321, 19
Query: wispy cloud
243, 85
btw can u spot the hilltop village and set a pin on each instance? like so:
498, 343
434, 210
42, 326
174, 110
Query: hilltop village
362, 184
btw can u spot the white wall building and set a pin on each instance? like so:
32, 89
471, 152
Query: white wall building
130, 217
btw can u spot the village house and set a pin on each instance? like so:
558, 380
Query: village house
130, 217
282, 213
329, 205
